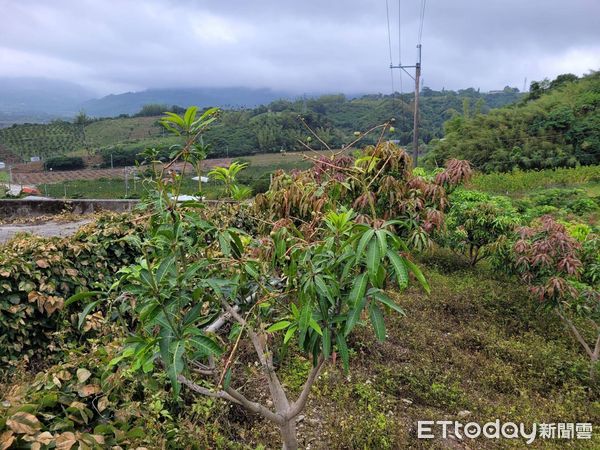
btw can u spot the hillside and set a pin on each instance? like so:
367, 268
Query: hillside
267, 128
132, 102
555, 125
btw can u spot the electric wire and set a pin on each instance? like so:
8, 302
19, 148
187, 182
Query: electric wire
421, 20
401, 100
387, 13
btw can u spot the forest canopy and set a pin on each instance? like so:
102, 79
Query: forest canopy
555, 125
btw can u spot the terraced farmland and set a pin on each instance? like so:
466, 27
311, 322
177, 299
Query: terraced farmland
56, 138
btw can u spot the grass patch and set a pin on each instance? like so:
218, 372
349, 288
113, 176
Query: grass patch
520, 182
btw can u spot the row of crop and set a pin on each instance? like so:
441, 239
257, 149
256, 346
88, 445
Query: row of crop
42, 140
519, 181
38, 274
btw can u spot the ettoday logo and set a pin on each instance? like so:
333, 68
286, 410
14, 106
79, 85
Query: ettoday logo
431, 429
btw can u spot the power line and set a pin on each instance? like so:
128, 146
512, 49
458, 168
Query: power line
421, 20
387, 13
399, 36
400, 101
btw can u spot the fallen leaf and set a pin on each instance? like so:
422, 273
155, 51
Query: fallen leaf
45, 438
83, 375
87, 390
65, 441
64, 375
23, 422
6, 439
102, 404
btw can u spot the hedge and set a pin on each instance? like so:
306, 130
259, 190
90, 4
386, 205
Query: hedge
38, 274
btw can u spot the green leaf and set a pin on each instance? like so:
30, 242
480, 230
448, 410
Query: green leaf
304, 320
418, 274
326, 342
149, 312
358, 289
190, 115
205, 345
147, 278
227, 379
173, 118
80, 296
315, 326
323, 289
399, 268
373, 259
381, 297
278, 326
377, 321
83, 314
251, 270
175, 365
289, 333
238, 246
166, 337
362, 244
354, 315
382, 240
165, 268
224, 243
343, 349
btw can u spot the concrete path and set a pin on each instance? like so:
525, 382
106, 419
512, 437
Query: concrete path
44, 229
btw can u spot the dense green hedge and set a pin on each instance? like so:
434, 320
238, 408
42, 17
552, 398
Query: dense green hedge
128, 154
64, 163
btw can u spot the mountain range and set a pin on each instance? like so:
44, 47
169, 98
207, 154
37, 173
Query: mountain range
40, 100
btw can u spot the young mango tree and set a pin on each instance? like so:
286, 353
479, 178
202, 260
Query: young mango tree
476, 222
308, 291
280, 291
551, 263
227, 175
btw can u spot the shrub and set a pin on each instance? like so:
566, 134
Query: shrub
37, 274
476, 221
64, 163
551, 263
85, 403
379, 182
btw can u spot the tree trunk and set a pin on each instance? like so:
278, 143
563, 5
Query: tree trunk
289, 435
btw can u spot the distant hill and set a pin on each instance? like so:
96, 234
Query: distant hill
39, 99
266, 128
132, 102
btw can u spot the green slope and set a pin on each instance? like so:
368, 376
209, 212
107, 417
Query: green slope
558, 124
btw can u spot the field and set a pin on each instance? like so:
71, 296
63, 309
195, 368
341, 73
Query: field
107, 132
110, 183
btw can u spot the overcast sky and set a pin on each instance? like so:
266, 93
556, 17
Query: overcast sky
113, 46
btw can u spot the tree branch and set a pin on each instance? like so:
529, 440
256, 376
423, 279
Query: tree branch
275, 387
255, 407
299, 404
576, 333
204, 391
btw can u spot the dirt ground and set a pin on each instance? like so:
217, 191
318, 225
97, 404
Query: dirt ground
48, 229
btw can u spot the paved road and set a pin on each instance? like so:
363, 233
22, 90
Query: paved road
43, 229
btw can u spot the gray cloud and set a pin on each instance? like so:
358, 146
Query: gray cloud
308, 45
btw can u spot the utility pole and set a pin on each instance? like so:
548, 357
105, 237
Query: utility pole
417, 78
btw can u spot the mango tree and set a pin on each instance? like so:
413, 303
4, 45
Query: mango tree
306, 290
